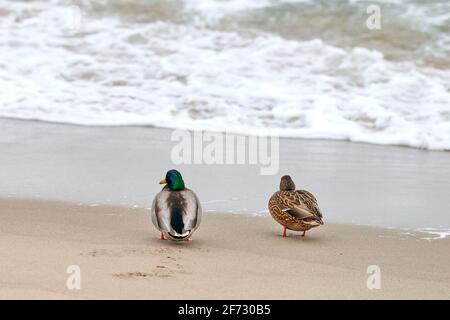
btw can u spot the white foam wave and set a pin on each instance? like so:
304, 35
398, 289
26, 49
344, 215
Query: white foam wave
168, 74
436, 233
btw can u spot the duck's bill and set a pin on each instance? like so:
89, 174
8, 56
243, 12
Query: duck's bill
163, 181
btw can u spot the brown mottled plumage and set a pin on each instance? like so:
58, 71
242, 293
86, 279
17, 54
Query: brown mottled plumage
294, 209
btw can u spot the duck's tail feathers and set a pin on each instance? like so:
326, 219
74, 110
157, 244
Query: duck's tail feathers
313, 221
179, 236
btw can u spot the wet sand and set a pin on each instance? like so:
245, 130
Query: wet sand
355, 183
230, 257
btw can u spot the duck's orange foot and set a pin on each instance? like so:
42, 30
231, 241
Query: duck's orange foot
162, 237
284, 232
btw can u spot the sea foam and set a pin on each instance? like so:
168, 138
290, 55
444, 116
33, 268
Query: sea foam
192, 69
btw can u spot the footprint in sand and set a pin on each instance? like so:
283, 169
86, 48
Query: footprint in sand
169, 264
125, 252
161, 270
127, 275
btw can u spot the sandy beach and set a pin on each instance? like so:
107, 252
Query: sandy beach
230, 257
101, 101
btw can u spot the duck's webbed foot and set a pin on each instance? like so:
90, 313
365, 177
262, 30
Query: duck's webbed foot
162, 237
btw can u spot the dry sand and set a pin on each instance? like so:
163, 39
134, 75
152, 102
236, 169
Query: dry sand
230, 257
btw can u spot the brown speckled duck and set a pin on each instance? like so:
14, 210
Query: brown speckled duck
294, 209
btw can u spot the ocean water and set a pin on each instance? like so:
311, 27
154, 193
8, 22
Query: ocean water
308, 69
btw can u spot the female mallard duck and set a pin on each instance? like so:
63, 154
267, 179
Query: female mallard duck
294, 209
176, 210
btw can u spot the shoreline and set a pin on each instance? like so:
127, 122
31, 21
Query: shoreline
426, 234
354, 183
120, 256
149, 126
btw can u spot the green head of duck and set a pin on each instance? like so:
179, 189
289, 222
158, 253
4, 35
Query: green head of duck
174, 180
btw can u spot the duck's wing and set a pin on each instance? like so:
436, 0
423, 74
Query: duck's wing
160, 212
309, 201
192, 213
299, 204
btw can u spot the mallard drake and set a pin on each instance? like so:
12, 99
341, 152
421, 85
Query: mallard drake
176, 210
294, 209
